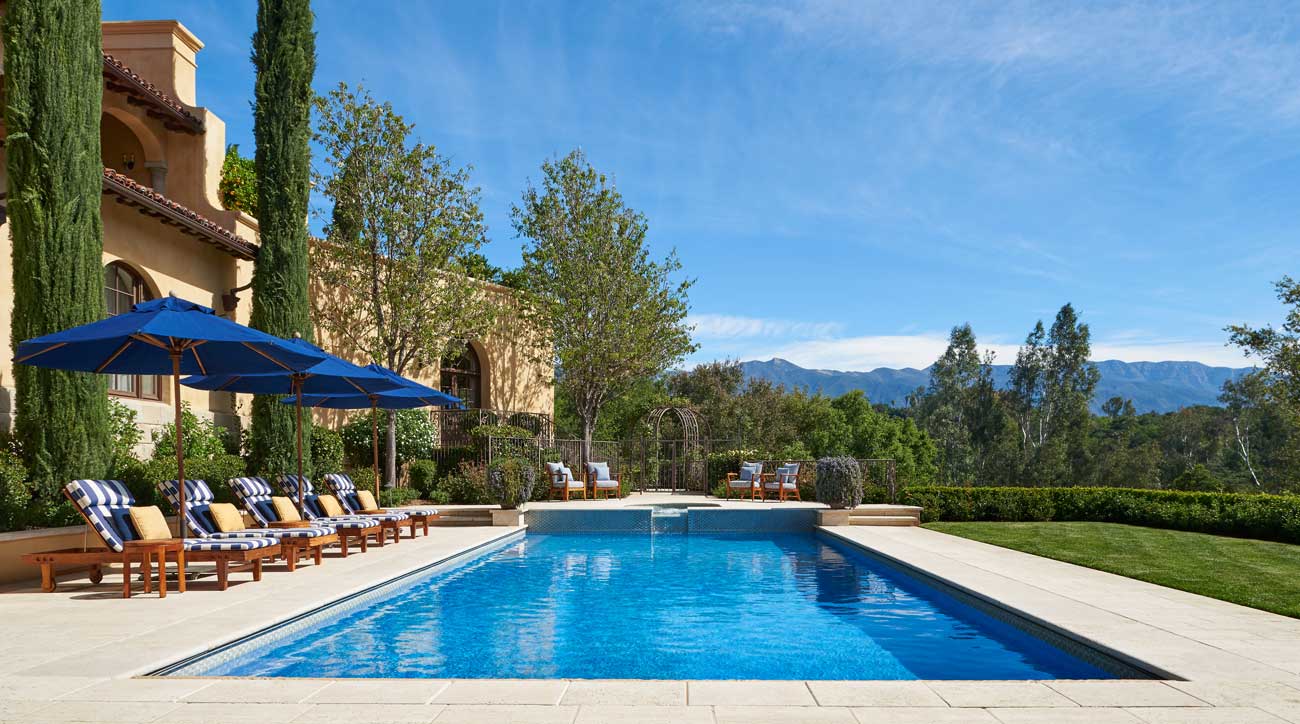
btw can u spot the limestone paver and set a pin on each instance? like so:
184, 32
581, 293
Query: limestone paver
478, 714
1241, 693
986, 694
157, 689
259, 691
391, 691
922, 715
502, 691
1124, 693
783, 715
105, 711
372, 713
235, 713
43, 688
1057, 715
626, 693
1159, 626
749, 693
1227, 715
874, 693
607, 714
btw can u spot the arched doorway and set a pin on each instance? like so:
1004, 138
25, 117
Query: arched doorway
124, 287
462, 376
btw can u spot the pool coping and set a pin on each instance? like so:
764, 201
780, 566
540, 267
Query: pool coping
55, 668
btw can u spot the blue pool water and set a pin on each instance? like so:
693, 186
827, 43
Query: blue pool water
637, 606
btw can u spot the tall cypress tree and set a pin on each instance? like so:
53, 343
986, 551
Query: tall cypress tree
284, 54
53, 87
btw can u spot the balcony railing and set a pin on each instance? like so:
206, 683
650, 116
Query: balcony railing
454, 426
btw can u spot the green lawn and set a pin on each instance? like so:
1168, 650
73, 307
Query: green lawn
1252, 573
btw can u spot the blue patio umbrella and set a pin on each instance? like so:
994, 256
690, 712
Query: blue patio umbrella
408, 395
167, 336
330, 375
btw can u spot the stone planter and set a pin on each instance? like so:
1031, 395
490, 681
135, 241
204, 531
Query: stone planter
507, 517
833, 517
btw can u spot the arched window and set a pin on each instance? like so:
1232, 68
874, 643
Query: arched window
123, 288
462, 377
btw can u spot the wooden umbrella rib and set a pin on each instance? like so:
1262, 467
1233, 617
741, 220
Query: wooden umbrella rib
115, 355
203, 369
273, 359
51, 348
150, 339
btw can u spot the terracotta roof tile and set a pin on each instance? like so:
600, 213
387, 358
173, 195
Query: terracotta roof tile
174, 114
186, 221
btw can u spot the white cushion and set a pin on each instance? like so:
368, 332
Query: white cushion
787, 486
573, 484
606, 483
741, 483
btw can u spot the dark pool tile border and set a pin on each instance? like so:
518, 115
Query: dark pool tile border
197, 664
1110, 660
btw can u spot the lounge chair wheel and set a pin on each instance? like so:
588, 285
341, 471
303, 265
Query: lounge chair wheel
96, 575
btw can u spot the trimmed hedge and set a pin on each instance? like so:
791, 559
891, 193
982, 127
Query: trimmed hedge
1264, 517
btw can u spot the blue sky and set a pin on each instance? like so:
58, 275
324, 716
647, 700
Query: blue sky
848, 180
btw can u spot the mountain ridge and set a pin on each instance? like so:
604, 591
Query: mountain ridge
1152, 386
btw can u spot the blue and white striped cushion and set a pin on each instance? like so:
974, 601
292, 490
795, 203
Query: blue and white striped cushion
228, 544
254, 495
198, 497
277, 533
416, 511
104, 502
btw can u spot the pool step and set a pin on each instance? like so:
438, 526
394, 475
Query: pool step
900, 515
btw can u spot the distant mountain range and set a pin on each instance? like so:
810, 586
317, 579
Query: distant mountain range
1152, 386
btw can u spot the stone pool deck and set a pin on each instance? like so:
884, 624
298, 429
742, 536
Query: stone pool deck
74, 655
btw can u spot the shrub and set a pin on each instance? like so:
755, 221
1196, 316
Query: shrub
15, 493
237, 187
391, 497
510, 481
481, 433
214, 471
839, 482
1247, 515
423, 476
202, 438
125, 432
467, 486
1198, 477
438, 497
326, 450
450, 459
415, 437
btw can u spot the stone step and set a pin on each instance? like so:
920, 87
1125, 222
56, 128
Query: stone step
880, 509
899, 520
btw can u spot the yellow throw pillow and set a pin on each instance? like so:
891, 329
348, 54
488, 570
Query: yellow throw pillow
284, 509
367, 500
227, 517
149, 523
330, 505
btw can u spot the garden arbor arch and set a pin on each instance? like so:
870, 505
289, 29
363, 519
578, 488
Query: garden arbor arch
674, 450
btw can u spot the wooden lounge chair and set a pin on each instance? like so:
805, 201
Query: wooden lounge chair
599, 479
359, 502
105, 505
254, 495
294, 542
562, 480
784, 484
746, 481
328, 507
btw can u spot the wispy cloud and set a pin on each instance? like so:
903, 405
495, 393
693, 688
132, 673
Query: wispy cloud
727, 326
868, 352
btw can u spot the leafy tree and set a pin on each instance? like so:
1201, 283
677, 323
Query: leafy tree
1278, 349
284, 56
476, 265
959, 409
614, 315
53, 86
237, 188
1118, 407
1052, 383
404, 221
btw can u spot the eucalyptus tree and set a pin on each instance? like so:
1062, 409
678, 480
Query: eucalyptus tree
391, 274
614, 315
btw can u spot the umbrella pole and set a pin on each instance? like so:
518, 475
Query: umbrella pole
374, 439
297, 386
180, 440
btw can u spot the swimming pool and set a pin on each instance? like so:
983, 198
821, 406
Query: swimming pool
636, 606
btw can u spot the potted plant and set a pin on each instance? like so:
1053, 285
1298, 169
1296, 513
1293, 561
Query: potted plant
839, 485
510, 483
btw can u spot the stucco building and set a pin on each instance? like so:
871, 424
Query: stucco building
166, 231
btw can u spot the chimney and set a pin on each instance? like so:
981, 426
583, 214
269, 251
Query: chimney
159, 51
